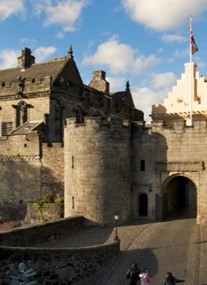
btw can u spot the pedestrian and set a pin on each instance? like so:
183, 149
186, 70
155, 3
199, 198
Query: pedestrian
133, 274
144, 277
171, 280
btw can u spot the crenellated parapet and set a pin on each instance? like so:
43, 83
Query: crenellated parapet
98, 122
198, 125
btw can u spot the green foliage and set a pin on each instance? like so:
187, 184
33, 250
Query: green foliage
48, 199
59, 200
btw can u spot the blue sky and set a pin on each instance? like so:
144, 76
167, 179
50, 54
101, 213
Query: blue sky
145, 42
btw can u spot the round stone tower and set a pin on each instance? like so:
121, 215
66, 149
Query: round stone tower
98, 169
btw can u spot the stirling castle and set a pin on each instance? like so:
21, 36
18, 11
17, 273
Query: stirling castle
81, 142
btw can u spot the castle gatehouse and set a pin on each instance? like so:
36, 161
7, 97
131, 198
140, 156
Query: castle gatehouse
93, 147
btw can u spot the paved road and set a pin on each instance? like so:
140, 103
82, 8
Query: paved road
177, 245
167, 246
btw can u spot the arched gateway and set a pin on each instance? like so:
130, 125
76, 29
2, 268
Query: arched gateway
179, 197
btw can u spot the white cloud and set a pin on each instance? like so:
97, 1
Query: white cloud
145, 97
161, 15
169, 38
9, 8
181, 53
119, 58
160, 85
8, 58
116, 83
160, 80
65, 13
42, 53
60, 35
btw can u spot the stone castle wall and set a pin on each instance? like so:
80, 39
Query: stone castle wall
19, 85
145, 152
186, 155
34, 93
98, 169
102, 175
101, 166
25, 175
108, 166
20, 170
176, 150
52, 170
53, 265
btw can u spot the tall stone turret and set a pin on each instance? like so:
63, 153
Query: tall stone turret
98, 169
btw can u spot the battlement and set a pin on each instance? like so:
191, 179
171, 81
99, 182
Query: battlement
198, 125
93, 122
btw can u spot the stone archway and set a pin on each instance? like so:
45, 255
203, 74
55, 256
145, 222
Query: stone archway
179, 197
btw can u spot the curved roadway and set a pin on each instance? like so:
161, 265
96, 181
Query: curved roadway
174, 245
178, 245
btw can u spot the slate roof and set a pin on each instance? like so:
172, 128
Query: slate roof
119, 96
37, 70
123, 96
26, 128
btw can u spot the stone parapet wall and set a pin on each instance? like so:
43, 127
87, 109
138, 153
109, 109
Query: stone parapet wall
54, 266
39, 233
48, 212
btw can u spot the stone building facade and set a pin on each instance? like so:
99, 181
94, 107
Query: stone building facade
141, 171
82, 142
35, 101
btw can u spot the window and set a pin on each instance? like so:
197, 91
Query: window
73, 202
143, 204
79, 116
72, 161
142, 165
21, 113
6, 128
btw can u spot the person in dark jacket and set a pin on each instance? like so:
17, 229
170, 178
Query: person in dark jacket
171, 280
133, 274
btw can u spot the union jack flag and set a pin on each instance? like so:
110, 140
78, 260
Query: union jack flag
194, 47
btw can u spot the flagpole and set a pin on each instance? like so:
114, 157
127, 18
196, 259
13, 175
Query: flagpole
191, 74
190, 44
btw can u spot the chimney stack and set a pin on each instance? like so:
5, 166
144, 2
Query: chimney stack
26, 59
99, 81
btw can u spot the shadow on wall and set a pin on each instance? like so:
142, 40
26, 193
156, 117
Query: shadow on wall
23, 181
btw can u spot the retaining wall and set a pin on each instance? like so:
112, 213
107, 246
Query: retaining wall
54, 266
